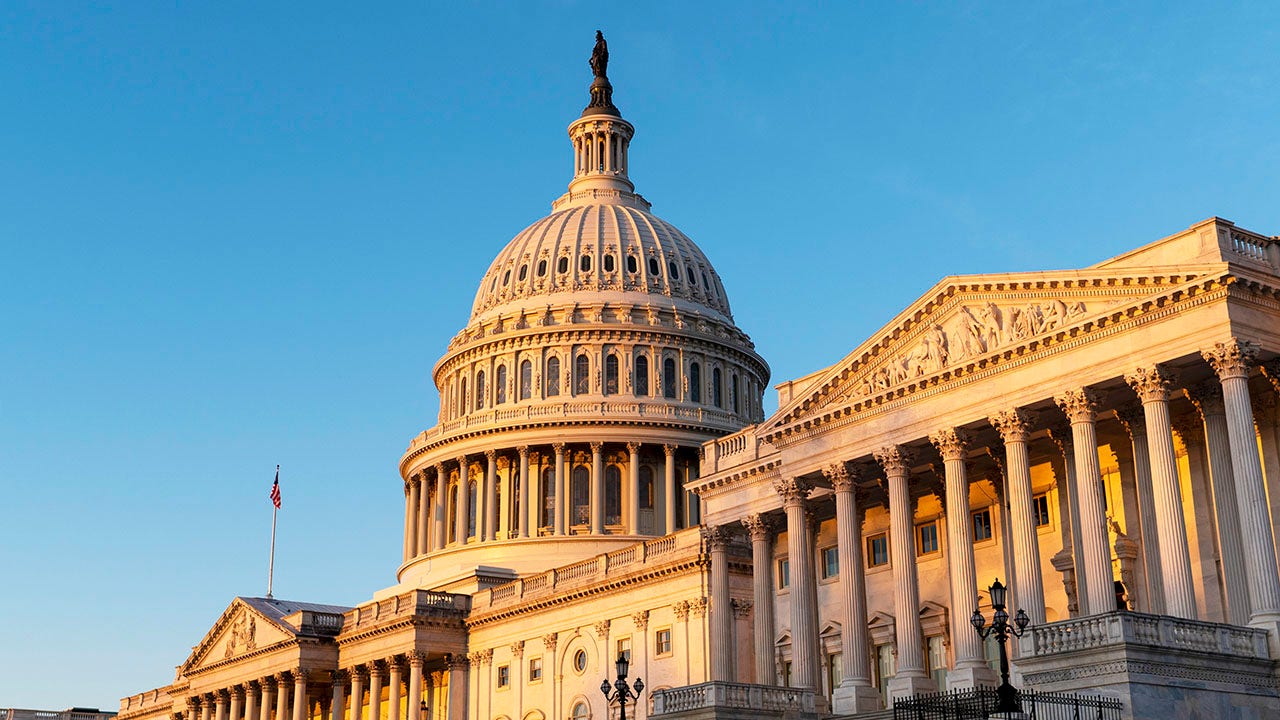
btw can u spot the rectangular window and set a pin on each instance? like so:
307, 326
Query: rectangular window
830, 563
624, 649
878, 550
937, 659
886, 668
662, 642
535, 669
786, 674
1040, 509
927, 538
982, 525
504, 675
784, 574
835, 672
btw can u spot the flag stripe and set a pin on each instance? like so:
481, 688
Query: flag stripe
275, 489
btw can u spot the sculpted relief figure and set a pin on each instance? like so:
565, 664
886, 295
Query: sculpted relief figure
241, 636
600, 56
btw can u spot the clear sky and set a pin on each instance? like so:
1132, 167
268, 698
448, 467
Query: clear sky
236, 234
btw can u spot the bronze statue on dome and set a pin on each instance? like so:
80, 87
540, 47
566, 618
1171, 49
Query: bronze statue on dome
600, 56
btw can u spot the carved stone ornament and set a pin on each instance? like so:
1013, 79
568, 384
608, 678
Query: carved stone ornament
759, 525
1271, 371
602, 629
549, 641
1060, 434
1013, 425
699, 607
1080, 406
1190, 427
741, 607
715, 536
895, 459
681, 610
1231, 359
241, 637
1207, 397
640, 619
633, 447
794, 490
951, 443
517, 648
841, 476
1134, 421
1152, 384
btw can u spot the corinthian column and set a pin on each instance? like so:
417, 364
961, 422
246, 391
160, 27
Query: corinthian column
376, 674
722, 653
1081, 408
804, 621
490, 504
527, 506
854, 694
1014, 427
415, 686
562, 500
282, 696
597, 488
410, 507
463, 520
1207, 397
206, 707
268, 697
220, 705
424, 507
300, 704
395, 687
1135, 423
761, 529
237, 703
911, 678
1231, 361
1152, 387
633, 485
442, 504
669, 488
337, 701
253, 696
970, 667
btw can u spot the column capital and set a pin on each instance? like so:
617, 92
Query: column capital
282, 679
760, 526
378, 668
558, 448
491, 455
1207, 397
717, 537
237, 691
253, 688
895, 459
1190, 427
462, 463
455, 661
640, 619
340, 677
601, 629
1271, 371
1231, 359
440, 471
415, 480
222, 695
517, 648
1133, 419
841, 476
549, 641
523, 452
1080, 406
1014, 424
633, 447
669, 450
794, 490
681, 610
360, 672
596, 447
951, 442
1152, 384
415, 658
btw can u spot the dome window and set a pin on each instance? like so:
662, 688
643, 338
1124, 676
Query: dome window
542, 268
480, 390
733, 393
611, 375
612, 495
632, 265
695, 382
642, 376
581, 375
553, 377
675, 271
524, 272
608, 263
584, 264
688, 272
562, 266
705, 284
717, 392
506, 278
654, 267
526, 380
500, 388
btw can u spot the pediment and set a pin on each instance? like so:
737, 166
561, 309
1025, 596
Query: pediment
239, 631
967, 320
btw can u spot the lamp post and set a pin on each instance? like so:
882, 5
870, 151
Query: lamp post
426, 713
1006, 695
620, 690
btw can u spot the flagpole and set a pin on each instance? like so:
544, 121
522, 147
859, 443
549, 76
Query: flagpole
271, 564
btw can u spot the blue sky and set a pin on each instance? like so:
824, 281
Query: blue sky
240, 234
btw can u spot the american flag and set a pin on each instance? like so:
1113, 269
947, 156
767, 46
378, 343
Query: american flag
275, 490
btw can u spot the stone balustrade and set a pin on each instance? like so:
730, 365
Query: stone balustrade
733, 695
730, 451
1097, 631
414, 602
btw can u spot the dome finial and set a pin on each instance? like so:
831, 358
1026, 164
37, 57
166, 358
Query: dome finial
601, 91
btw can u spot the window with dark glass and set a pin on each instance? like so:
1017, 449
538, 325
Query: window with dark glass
654, 267
646, 487
662, 642
562, 265
504, 675
608, 263
553, 377
695, 382
641, 380
675, 271
581, 375
542, 268
830, 562
584, 263
669, 378
506, 278
632, 265
526, 379
927, 538
982, 525
717, 394
548, 495
784, 573
1040, 509
524, 272
462, 398
500, 392
612, 495
581, 496
878, 550
611, 374
480, 390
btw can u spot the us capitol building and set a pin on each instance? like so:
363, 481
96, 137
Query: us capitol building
602, 480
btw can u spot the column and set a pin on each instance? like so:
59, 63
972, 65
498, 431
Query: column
415, 686
1231, 361
1207, 397
268, 697
282, 696
463, 520
1081, 408
410, 505
300, 705
669, 488
562, 500
458, 687
1069, 511
424, 507
804, 624
1014, 427
722, 652
193, 711
487, 499
527, 507
377, 673
1153, 387
761, 530
597, 488
1135, 424
237, 702
855, 693
253, 698
633, 485
220, 705
442, 506
356, 705
337, 705
970, 667
911, 678
206, 707
393, 692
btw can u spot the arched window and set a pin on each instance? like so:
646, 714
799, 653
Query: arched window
717, 394
524, 272
542, 268
450, 530
584, 263
695, 382
632, 266
553, 377
462, 398
646, 487
580, 711
471, 519
669, 378
655, 268
548, 496
506, 278
526, 379
642, 376
480, 390
675, 271
581, 496
562, 265
608, 263
613, 495
581, 375
733, 393
501, 390
611, 374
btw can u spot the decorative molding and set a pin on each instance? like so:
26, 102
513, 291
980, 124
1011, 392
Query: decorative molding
681, 610
1207, 397
640, 619
1153, 384
549, 641
601, 629
841, 476
760, 527
895, 459
1080, 406
1231, 359
793, 490
952, 443
1014, 425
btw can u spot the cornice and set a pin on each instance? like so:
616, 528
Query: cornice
767, 470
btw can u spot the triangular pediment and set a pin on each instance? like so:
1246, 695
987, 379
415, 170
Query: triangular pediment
974, 320
240, 630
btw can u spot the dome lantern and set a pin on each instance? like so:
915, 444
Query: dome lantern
600, 140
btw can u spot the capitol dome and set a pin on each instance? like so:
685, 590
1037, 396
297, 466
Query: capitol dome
599, 355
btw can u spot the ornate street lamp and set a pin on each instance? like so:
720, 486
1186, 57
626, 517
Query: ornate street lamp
620, 690
1006, 696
